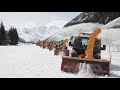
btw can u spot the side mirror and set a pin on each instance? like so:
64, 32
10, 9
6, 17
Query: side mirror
104, 47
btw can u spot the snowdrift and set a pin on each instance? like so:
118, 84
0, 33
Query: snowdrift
113, 24
111, 34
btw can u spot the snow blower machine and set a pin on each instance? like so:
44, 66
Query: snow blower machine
38, 43
51, 45
58, 47
86, 48
44, 44
41, 44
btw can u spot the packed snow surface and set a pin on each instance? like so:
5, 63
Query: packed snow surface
31, 61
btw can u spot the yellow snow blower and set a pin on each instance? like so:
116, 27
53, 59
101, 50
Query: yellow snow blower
51, 45
39, 43
86, 48
58, 47
44, 44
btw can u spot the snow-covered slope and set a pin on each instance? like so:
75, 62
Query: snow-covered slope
75, 29
34, 34
113, 24
111, 34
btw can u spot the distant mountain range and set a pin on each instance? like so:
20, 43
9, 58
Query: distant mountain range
35, 34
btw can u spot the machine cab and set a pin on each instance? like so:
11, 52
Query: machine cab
80, 46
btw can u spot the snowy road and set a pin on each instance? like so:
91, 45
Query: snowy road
30, 61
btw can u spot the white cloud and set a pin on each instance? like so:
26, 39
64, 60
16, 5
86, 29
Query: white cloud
58, 23
30, 24
20, 19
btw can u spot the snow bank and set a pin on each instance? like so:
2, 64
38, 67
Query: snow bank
113, 24
111, 34
31, 61
110, 37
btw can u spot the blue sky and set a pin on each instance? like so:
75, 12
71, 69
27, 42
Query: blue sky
24, 19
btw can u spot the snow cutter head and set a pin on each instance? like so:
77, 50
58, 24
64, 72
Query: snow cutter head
72, 65
86, 49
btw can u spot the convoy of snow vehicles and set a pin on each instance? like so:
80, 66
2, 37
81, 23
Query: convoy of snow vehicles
78, 49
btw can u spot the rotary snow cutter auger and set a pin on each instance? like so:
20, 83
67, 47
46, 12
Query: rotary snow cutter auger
86, 49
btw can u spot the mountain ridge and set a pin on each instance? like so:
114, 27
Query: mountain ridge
35, 34
93, 17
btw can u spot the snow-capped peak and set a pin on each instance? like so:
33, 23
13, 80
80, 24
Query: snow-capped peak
36, 32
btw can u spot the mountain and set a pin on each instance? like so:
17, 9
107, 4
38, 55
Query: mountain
93, 17
22, 40
34, 34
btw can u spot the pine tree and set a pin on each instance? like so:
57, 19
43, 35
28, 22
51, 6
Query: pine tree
13, 36
16, 37
2, 35
0, 38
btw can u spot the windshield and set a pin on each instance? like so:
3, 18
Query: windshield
71, 37
81, 43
